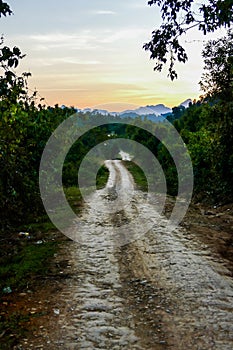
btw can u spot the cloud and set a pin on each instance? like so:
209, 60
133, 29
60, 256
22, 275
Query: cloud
84, 40
105, 12
52, 37
67, 60
75, 60
62, 89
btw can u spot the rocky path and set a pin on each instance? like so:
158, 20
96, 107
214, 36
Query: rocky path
162, 290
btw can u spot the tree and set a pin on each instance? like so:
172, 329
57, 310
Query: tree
13, 88
178, 17
4, 9
177, 112
217, 81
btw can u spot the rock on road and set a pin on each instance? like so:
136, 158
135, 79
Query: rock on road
161, 290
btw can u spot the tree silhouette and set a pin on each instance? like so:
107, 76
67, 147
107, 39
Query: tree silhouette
217, 81
4, 9
178, 17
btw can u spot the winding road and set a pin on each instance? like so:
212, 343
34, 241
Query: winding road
161, 290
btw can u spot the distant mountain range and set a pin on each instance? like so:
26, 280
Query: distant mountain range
152, 112
157, 110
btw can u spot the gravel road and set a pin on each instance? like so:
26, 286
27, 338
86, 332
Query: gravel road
162, 290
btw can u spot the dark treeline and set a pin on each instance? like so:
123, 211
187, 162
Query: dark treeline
206, 128
26, 125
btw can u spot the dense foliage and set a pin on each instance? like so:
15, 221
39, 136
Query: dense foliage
23, 134
207, 126
26, 125
178, 17
217, 81
4, 9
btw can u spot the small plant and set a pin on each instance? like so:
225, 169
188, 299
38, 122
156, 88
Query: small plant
19, 270
138, 175
102, 177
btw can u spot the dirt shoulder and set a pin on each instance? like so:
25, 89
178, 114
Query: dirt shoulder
30, 314
212, 225
29, 310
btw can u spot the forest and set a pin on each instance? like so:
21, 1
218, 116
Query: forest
26, 124
32, 256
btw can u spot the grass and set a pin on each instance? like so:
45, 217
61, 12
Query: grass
138, 175
12, 329
74, 198
24, 262
18, 271
21, 259
102, 177
42, 224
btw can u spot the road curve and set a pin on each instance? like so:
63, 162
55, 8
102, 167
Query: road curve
162, 290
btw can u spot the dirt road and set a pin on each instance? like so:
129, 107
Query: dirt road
162, 290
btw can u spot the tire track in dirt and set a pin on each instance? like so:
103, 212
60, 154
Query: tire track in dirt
163, 290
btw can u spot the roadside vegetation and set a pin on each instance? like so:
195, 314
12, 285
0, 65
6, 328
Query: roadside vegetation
102, 177
26, 125
138, 175
28, 239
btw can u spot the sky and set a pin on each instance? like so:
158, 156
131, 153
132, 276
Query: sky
89, 53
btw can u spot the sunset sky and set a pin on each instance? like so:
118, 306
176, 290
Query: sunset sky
89, 53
